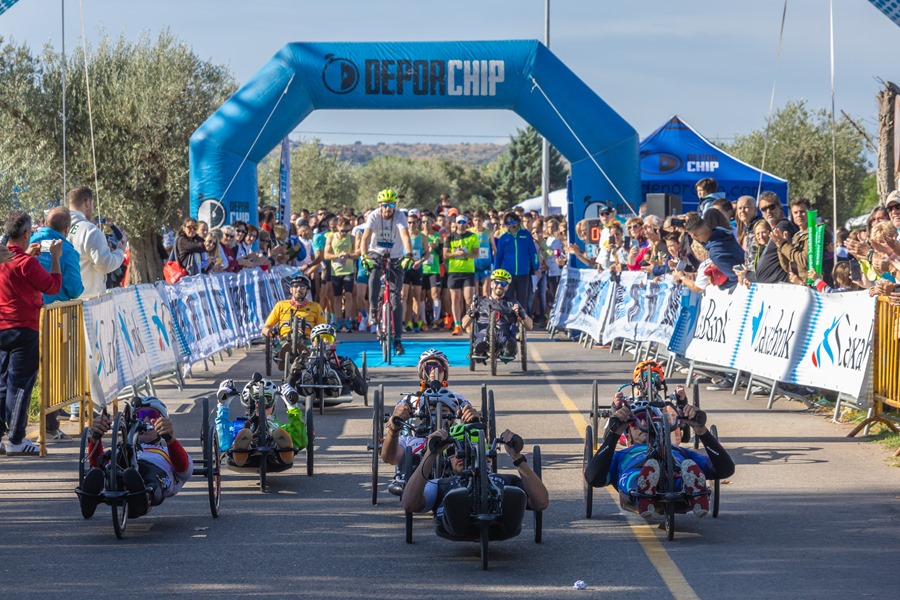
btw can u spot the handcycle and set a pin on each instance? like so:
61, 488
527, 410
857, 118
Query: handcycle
123, 454
484, 495
663, 418
494, 353
384, 315
297, 342
263, 446
317, 378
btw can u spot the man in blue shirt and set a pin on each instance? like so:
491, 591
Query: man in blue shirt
56, 227
517, 254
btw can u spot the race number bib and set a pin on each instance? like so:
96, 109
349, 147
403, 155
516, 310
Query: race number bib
417, 253
484, 253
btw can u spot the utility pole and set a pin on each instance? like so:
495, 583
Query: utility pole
545, 145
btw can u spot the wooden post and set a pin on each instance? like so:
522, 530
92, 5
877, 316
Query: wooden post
887, 168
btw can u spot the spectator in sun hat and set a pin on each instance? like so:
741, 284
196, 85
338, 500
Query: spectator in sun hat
892, 206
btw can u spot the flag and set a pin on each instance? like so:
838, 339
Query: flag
284, 191
5, 5
890, 8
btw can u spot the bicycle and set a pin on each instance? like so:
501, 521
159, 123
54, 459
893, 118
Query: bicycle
385, 322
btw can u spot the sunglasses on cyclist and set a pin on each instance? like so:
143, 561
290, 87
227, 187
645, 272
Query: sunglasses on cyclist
456, 449
147, 413
389, 205
500, 283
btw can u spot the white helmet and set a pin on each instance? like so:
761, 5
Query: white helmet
269, 391
432, 356
443, 396
139, 402
324, 330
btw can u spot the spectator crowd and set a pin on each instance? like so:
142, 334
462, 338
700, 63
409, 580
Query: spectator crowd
70, 253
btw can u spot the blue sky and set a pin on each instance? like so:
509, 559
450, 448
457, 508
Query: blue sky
712, 62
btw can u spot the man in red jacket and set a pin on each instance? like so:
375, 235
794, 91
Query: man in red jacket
22, 281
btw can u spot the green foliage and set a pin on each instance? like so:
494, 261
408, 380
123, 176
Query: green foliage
147, 98
471, 186
420, 183
800, 151
517, 174
868, 198
318, 178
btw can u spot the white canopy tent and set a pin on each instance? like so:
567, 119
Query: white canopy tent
558, 204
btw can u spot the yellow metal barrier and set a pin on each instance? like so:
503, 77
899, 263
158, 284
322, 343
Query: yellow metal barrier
885, 366
63, 369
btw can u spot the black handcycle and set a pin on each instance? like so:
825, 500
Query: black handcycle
495, 353
123, 454
295, 346
320, 379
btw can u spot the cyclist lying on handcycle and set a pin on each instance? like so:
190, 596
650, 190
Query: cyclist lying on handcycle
340, 371
278, 323
163, 464
509, 313
236, 437
434, 369
449, 497
636, 476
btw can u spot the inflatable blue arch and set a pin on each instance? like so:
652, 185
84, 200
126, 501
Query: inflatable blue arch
303, 77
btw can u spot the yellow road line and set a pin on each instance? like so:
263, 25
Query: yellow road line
649, 541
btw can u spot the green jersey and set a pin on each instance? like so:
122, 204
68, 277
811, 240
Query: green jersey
467, 241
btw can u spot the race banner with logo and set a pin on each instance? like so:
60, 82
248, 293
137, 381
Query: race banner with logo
590, 303
718, 327
642, 309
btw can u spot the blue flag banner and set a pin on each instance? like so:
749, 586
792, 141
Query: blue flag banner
284, 178
890, 8
5, 5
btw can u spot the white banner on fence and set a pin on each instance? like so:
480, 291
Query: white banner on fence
642, 309
718, 327
589, 303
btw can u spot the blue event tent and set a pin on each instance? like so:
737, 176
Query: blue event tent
675, 157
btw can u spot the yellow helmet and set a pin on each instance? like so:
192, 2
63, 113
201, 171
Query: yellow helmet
501, 275
387, 196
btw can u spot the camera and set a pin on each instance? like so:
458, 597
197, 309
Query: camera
677, 222
45, 245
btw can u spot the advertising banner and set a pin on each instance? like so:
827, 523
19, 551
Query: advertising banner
718, 327
643, 309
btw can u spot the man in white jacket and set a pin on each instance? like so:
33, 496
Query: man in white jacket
96, 259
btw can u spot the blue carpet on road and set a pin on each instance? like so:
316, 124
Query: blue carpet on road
456, 351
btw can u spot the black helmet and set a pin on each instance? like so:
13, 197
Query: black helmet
298, 280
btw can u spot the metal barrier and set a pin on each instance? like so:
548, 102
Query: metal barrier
885, 366
63, 367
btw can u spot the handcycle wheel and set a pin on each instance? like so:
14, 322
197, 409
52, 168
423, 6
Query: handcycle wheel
262, 429
696, 402
492, 425
268, 355
716, 483
484, 404
407, 473
472, 344
83, 460
595, 413
588, 488
377, 427
485, 535
118, 458
538, 515
204, 424
523, 350
212, 457
320, 373
492, 343
308, 414
483, 502
288, 360
669, 477
365, 376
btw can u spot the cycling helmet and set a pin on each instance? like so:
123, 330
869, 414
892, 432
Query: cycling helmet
387, 196
459, 433
431, 356
249, 392
501, 275
649, 370
325, 330
298, 280
150, 402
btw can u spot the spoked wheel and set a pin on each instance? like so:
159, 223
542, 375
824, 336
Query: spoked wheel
407, 473
588, 488
485, 534
365, 375
320, 369
595, 410
262, 426
484, 404
491, 420
538, 515
492, 343
320, 398
669, 478
288, 361
670, 521
387, 331
83, 460
523, 350
377, 428
308, 414
268, 356
472, 345
696, 402
118, 460
715, 491
212, 457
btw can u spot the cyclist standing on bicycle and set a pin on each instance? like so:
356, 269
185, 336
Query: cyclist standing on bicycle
630, 470
163, 464
386, 235
510, 312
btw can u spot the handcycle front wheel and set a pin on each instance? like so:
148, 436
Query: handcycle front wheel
538, 514
269, 355
118, 459
588, 488
212, 458
523, 349
492, 343
365, 376
377, 434
83, 460
669, 479
407, 473
715, 491
310, 438
472, 345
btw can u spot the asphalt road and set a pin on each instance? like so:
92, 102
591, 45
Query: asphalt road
808, 514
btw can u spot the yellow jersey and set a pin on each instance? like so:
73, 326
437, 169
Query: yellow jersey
281, 315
